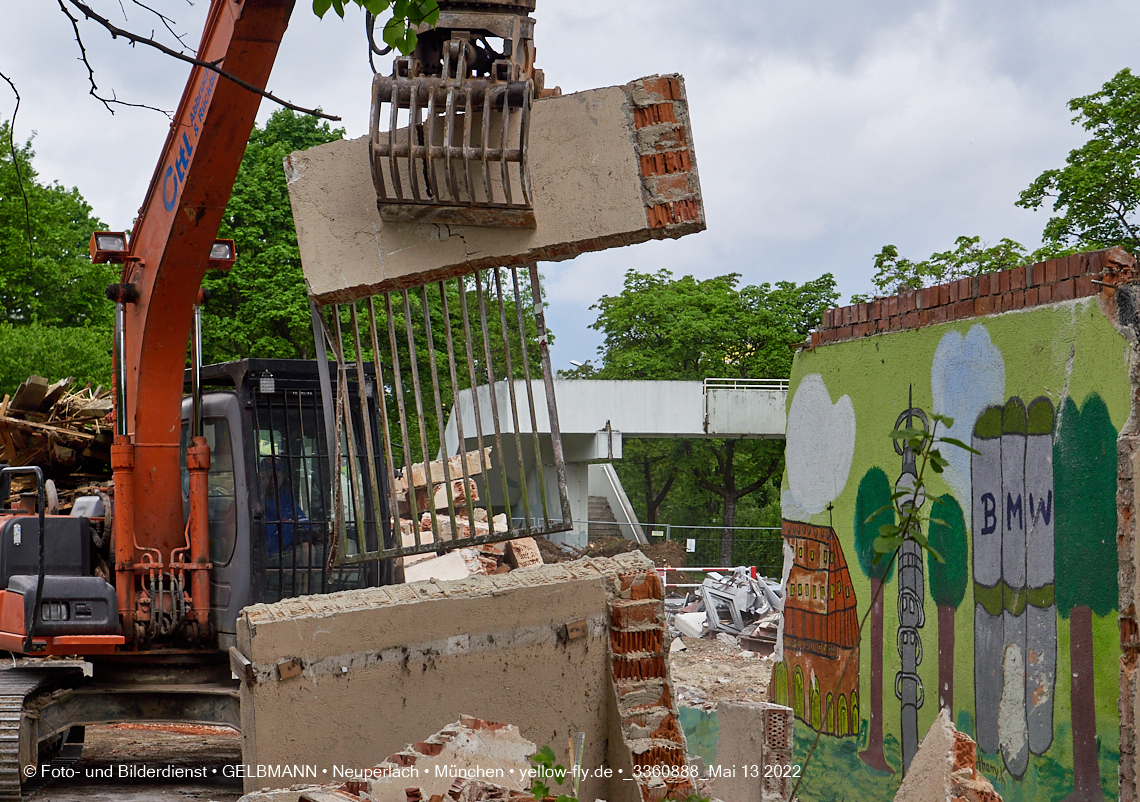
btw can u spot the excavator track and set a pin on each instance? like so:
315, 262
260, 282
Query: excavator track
16, 686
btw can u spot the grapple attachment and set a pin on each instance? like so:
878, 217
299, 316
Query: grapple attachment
450, 125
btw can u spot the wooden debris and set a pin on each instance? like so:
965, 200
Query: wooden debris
66, 432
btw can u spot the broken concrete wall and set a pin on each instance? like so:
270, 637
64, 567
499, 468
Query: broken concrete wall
761, 735
945, 768
1017, 632
374, 669
609, 167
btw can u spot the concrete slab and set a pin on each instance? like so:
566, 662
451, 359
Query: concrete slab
609, 167
755, 734
381, 666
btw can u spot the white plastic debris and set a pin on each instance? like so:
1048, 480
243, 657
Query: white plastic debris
691, 625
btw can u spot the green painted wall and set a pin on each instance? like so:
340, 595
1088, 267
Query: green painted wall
1050, 579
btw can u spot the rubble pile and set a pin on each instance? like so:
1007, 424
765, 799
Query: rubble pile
67, 432
737, 607
427, 511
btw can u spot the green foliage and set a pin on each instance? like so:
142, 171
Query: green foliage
970, 257
260, 306
873, 508
907, 499
544, 761
665, 328
399, 30
49, 280
948, 579
1096, 193
1084, 462
54, 353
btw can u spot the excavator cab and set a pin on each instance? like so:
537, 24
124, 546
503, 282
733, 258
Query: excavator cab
271, 516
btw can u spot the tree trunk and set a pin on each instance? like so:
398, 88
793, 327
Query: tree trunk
946, 658
1086, 768
873, 755
727, 538
650, 507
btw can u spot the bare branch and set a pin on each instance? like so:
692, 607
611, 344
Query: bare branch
166, 21
106, 101
16, 165
116, 31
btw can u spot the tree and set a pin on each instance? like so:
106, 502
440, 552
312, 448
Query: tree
656, 463
948, 582
728, 488
664, 328
1095, 196
46, 275
83, 353
873, 509
970, 257
1084, 453
1096, 193
260, 306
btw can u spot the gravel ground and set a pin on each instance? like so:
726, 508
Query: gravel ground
114, 749
709, 670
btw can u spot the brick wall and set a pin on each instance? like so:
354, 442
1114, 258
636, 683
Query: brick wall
669, 181
1078, 276
640, 674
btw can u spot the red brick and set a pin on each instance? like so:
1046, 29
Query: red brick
1018, 298
876, 309
1017, 278
938, 314
965, 288
1004, 283
883, 323
894, 323
952, 291
624, 614
816, 337
923, 317
668, 88
984, 305
964, 309
910, 320
863, 312
1034, 274
1051, 271
892, 306
981, 286
642, 640
1085, 286
943, 294
1045, 293
675, 186
429, 749
642, 585
653, 164
1064, 290
1031, 296
846, 332
910, 300
927, 297
639, 668
651, 115
1072, 267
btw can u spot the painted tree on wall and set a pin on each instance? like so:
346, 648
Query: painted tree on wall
1084, 458
873, 495
947, 584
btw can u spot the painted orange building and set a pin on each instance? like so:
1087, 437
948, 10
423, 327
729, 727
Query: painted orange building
820, 633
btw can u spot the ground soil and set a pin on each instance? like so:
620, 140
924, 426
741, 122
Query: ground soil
710, 670
155, 746
668, 554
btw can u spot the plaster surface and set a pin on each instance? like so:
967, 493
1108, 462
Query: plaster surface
385, 665
587, 177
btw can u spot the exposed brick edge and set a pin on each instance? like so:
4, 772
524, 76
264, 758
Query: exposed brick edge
639, 668
1019, 288
670, 188
669, 183
966, 784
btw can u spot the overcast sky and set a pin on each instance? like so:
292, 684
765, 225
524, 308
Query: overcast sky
823, 130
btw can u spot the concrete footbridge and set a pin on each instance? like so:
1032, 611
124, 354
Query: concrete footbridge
594, 416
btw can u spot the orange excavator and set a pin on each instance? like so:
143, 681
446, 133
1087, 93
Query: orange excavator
220, 499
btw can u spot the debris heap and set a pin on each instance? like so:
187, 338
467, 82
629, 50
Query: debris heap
67, 432
423, 504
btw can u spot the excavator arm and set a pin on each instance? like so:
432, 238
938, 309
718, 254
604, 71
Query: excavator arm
169, 253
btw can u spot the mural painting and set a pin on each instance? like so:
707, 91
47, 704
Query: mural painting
1027, 661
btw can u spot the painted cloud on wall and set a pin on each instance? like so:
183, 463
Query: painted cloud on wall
967, 375
820, 445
